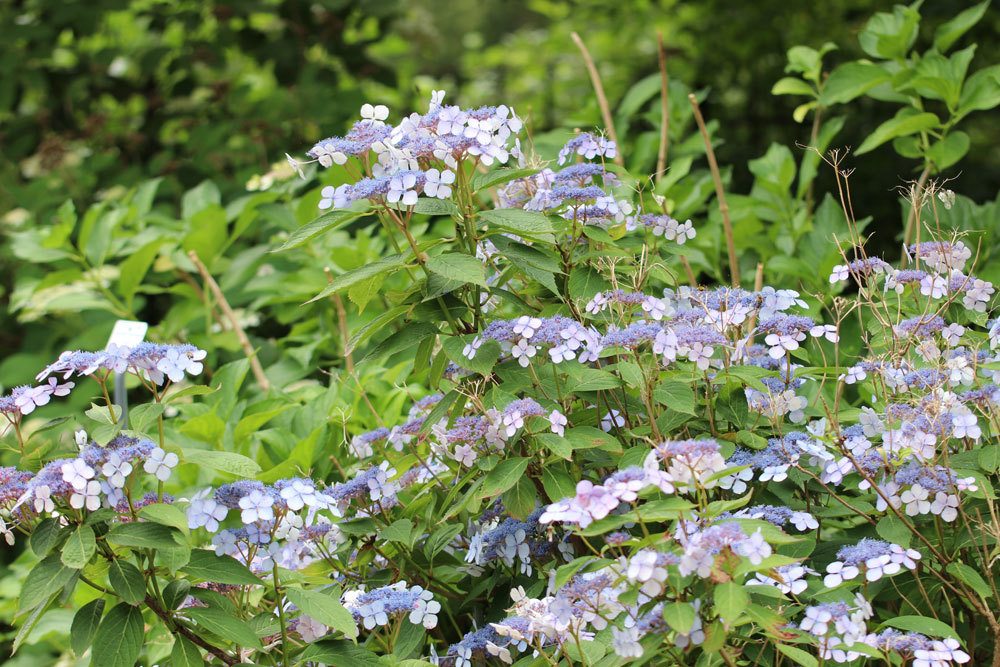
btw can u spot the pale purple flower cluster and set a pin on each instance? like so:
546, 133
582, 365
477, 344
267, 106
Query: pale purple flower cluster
417, 157
153, 361
873, 558
514, 542
375, 608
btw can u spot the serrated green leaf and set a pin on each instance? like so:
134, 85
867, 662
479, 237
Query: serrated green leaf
340, 652
185, 654
43, 581
85, 623
127, 581
224, 626
503, 476
459, 267
118, 641
678, 396
496, 177
518, 221
925, 626
79, 548
679, 616
221, 569
971, 578
324, 223
146, 536
228, 462
730, 600
386, 265
798, 656
324, 608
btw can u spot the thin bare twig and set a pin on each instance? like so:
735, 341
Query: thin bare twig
720, 194
661, 156
602, 99
251, 354
341, 322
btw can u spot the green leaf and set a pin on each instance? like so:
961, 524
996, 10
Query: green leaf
891, 529
339, 652
951, 31
429, 206
585, 282
677, 396
852, 80
127, 581
46, 579
798, 656
582, 378
518, 221
146, 536
142, 416
325, 223
208, 232
252, 423
558, 483
535, 264
971, 578
731, 600
503, 476
458, 266
485, 359
134, 269
904, 123
498, 177
890, 36
400, 530
229, 462
948, 151
679, 616
526, 257
165, 515
925, 626
102, 415
989, 458
981, 91
324, 608
588, 437
118, 641
520, 500
175, 593
220, 569
389, 264
85, 624
45, 536
224, 626
79, 548
405, 339
185, 654
791, 85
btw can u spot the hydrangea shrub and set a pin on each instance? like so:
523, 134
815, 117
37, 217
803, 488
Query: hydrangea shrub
618, 466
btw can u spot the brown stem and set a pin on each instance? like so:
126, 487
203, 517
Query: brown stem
689, 272
915, 202
341, 322
758, 284
251, 354
187, 634
661, 156
720, 194
602, 99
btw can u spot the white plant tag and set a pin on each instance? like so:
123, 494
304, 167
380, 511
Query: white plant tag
127, 333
